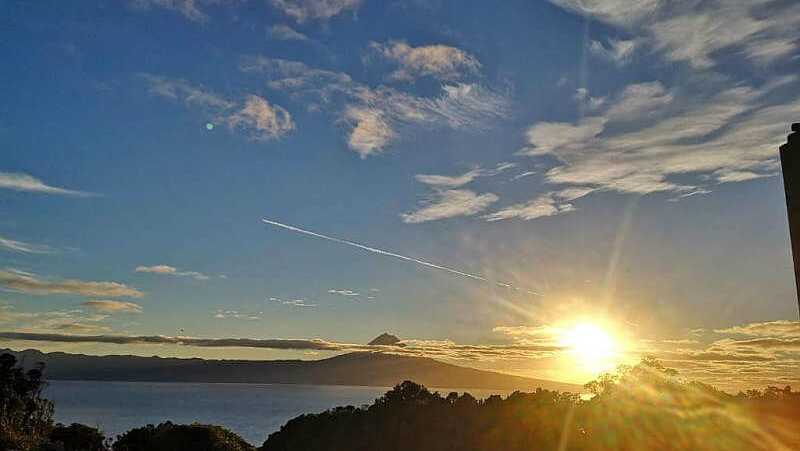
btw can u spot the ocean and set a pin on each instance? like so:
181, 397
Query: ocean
251, 410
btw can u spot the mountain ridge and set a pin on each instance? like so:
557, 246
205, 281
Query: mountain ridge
355, 368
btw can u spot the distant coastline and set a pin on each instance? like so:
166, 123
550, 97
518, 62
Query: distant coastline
360, 369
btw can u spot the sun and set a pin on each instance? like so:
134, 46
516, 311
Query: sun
592, 347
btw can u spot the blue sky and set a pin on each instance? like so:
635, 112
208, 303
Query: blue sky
618, 158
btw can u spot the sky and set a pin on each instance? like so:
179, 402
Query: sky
269, 179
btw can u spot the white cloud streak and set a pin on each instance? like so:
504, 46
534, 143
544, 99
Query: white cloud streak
303, 10
447, 181
286, 33
449, 204
348, 293
17, 181
28, 283
443, 349
543, 206
293, 302
182, 90
648, 135
171, 271
111, 306
619, 52
23, 247
186, 8
700, 33
235, 314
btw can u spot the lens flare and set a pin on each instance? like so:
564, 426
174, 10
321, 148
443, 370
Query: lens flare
590, 345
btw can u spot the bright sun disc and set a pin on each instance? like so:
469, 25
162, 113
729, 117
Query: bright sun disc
591, 345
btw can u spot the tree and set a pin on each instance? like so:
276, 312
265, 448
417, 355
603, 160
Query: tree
75, 437
26, 418
180, 437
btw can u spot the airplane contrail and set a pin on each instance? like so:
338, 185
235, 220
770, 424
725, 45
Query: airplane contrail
477, 277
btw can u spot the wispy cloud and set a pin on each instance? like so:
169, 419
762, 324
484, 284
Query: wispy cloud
171, 271
377, 116
371, 130
587, 101
299, 78
768, 354
82, 328
73, 321
261, 119
648, 136
620, 12
286, 33
343, 292
523, 175
549, 204
300, 344
348, 293
17, 181
292, 302
761, 31
111, 306
445, 202
443, 349
384, 110
438, 61
618, 51
187, 8
299, 10
28, 283
182, 90
235, 314
710, 130
26, 248
448, 181
456, 181
782, 328
754, 354
256, 118
450, 204
303, 10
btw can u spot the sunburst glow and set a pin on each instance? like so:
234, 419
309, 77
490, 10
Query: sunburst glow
592, 346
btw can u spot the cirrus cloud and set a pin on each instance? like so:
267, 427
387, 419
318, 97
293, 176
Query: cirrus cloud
17, 181
26, 248
28, 283
438, 61
377, 117
110, 306
261, 120
303, 10
171, 271
450, 204
255, 117
286, 33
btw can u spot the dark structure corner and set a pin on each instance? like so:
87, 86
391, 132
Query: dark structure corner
790, 164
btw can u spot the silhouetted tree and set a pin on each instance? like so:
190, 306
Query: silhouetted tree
25, 416
642, 407
180, 437
75, 437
